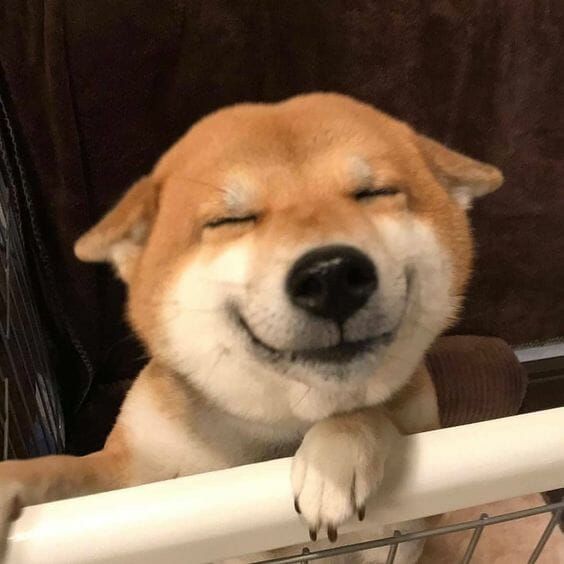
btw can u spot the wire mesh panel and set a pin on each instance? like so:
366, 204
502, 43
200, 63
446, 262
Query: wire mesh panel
477, 526
30, 414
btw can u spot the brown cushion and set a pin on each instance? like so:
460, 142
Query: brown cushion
476, 378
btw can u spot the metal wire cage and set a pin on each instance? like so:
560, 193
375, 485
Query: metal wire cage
476, 526
247, 514
30, 412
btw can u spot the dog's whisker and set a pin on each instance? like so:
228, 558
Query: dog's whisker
174, 313
222, 352
302, 398
202, 182
141, 357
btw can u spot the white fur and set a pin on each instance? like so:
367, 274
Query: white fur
207, 439
263, 403
464, 196
361, 170
205, 345
335, 470
239, 194
429, 308
165, 447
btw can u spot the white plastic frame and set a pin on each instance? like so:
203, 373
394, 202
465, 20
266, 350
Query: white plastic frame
209, 517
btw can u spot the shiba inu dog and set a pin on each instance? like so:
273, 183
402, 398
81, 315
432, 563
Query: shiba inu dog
288, 265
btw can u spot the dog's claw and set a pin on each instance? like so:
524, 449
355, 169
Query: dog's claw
297, 506
313, 534
361, 513
16, 509
332, 533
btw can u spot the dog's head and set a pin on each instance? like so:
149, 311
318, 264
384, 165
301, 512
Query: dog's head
312, 244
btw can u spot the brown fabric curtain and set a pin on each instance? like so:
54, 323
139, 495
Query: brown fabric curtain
98, 89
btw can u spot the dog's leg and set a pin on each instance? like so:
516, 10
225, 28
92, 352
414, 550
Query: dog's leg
49, 478
341, 459
151, 441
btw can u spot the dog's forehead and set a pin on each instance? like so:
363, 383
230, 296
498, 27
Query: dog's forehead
244, 152
298, 132
242, 186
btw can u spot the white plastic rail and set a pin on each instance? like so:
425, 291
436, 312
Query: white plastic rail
209, 517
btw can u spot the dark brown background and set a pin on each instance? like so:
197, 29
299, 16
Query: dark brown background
98, 89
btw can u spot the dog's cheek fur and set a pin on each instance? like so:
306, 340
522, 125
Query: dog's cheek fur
198, 340
432, 303
193, 313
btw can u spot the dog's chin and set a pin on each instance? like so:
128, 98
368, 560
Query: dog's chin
327, 361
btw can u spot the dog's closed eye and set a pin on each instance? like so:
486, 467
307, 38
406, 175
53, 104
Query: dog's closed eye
366, 193
220, 221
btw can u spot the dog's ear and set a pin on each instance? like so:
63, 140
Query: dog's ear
121, 234
464, 178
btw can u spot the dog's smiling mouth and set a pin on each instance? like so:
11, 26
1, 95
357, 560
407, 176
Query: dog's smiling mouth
341, 353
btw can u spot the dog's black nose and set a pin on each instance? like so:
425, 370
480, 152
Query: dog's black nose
332, 282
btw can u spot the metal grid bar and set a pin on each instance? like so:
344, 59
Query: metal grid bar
393, 550
478, 524
546, 535
474, 541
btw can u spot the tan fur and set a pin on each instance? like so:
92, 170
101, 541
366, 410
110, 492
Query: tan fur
414, 408
54, 477
296, 165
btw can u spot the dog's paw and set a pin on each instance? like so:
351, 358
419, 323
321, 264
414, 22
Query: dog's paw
333, 473
10, 509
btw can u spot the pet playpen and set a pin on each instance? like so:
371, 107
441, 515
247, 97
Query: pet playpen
245, 510
210, 517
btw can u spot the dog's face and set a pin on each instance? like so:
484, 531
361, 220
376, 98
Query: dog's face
315, 244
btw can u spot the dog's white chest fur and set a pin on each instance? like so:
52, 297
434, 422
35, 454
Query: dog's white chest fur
207, 440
